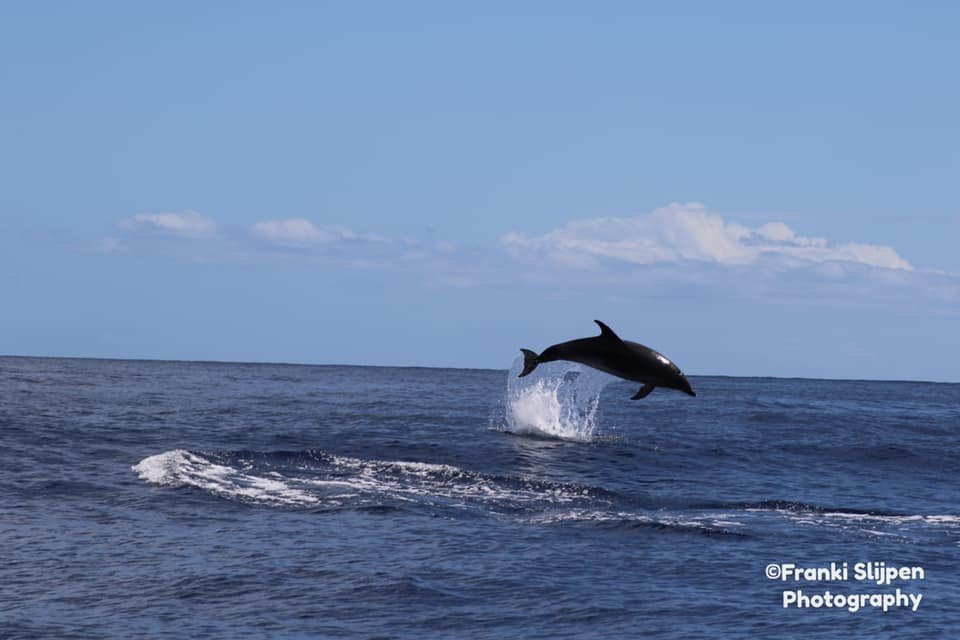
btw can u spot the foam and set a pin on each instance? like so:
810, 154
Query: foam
704, 521
411, 480
361, 482
182, 468
865, 521
331, 481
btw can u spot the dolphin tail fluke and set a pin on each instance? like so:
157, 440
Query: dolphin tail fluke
530, 362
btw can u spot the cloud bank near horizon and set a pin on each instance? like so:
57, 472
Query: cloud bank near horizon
299, 232
673, 247
187, 224
690, 233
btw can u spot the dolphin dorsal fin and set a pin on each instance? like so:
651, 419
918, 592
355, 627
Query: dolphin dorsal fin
607, 332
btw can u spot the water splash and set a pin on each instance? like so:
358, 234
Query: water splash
559, 400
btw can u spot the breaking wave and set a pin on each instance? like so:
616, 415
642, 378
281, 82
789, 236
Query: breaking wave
320, 481
179, 468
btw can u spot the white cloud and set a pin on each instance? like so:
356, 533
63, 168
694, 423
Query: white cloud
187, 224
301, 233
677, 248
689, 233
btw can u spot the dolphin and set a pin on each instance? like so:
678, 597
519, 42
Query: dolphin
622, 358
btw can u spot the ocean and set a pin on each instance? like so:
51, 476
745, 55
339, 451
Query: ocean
149, 499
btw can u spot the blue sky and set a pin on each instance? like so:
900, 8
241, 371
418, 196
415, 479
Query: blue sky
751, 188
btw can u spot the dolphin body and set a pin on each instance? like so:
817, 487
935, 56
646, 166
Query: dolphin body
622, 358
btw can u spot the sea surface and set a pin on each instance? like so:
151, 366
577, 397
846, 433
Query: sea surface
145, 499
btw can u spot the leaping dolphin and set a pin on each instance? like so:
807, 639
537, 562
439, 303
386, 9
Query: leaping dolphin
622, 358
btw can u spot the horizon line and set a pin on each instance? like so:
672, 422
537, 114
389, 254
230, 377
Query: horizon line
412, 366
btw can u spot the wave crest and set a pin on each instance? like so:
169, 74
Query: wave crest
320, 479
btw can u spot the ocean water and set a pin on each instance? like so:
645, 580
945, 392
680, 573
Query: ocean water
205, 500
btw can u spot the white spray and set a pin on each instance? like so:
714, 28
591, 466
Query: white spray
558, 399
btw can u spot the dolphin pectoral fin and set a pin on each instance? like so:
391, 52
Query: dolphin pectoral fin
644, 391
607, 332
530, 362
